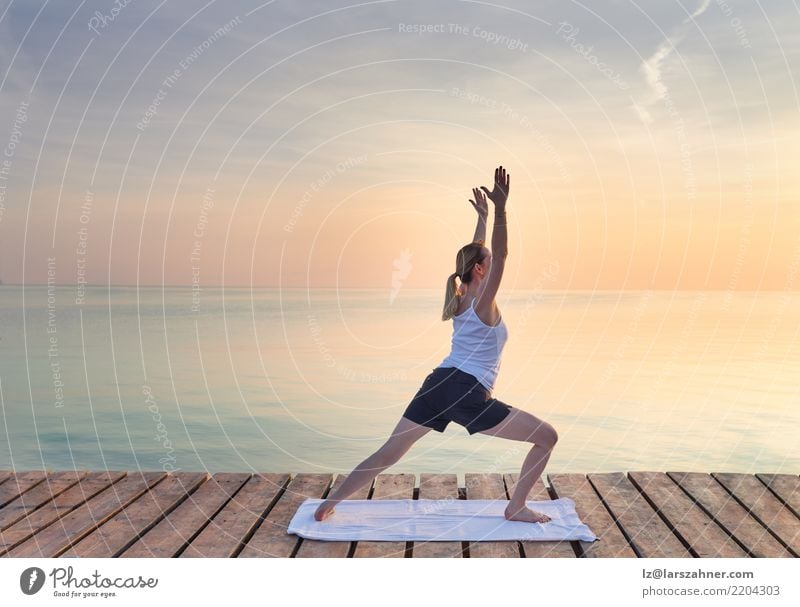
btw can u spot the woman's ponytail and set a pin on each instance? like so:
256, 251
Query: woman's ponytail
466, 258
451, 297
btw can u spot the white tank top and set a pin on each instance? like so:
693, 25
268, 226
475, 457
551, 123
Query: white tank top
476, 347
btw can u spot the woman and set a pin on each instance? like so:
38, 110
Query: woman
459, 389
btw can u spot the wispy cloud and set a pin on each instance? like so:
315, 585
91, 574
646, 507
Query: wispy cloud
699, 11
652, 67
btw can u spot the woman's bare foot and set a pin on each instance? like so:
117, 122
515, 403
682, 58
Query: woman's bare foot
324, 510
527, 515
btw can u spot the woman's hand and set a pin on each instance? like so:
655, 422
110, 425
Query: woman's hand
481, 206
502, 181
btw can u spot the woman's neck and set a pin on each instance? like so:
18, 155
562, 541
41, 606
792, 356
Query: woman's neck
472, 289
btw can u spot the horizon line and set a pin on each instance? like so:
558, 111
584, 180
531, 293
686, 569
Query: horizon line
150, 286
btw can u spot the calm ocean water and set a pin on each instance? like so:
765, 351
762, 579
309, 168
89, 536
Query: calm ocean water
293, 380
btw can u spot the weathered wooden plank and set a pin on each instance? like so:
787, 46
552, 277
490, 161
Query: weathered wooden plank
179, 527
271, 538
439, 489
729, 515
391, 487
71, 528
489, 487
646, 532
722, 515
610, 541
53, 485
687, 520
786, 487
765, 507
127, 526
69, 500
19, 484
322, 548
531, 549
227, 533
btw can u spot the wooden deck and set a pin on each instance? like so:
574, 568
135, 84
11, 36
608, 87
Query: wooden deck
186, 514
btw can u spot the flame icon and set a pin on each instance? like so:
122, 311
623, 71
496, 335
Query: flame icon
402, 268
31, 580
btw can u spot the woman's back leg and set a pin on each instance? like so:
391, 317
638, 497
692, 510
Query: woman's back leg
404, 435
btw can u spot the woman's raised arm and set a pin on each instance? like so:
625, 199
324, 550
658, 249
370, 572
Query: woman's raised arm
499, 196
486, 307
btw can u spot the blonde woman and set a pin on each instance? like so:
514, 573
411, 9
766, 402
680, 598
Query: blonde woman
459, 389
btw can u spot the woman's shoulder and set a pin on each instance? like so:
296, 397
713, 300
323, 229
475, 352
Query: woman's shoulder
487, 312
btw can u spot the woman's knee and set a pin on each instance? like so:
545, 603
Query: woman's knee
545, 435
552, 436
379, 461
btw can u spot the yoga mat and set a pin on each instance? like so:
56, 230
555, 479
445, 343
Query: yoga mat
437, 520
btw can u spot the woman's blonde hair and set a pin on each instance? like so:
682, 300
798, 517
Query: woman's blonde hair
466, 258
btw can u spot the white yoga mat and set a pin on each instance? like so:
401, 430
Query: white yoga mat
437, 520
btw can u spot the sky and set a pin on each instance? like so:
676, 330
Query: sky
335, 144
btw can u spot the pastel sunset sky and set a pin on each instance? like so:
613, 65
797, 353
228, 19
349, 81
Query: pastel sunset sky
651, 144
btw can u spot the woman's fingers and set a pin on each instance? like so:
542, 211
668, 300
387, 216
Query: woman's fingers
502, 178
479, 199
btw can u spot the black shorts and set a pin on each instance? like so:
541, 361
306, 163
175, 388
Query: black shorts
449, 394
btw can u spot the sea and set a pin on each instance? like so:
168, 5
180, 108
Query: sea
315, 379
